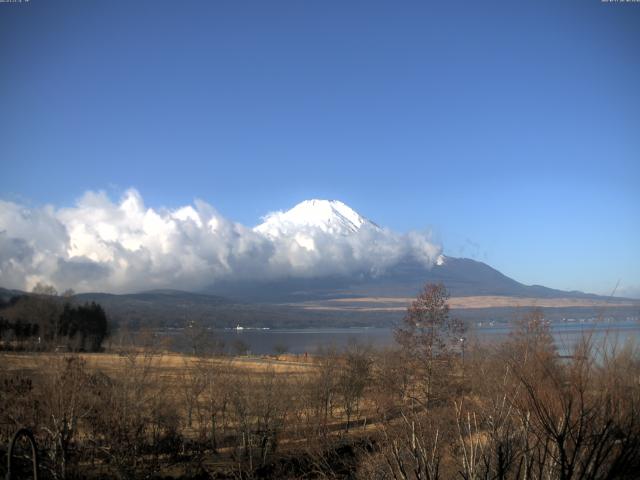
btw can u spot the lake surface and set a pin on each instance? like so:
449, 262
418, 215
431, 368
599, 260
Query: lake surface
300, 341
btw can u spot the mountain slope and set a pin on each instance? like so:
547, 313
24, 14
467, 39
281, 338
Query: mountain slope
461, 277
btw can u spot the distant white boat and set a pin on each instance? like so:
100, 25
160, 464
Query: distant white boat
238, 327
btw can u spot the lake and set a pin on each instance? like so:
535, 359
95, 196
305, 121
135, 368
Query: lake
300, 341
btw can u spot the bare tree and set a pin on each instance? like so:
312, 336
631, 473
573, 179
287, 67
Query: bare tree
64, 405
192, 382
214, 400
44, 289
581, 424
199, 339
133, 416
321, 390
353, 377
429, 337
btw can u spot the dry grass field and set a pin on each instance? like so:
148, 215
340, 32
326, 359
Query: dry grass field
163, 402
167, 363
421, 407
399, 304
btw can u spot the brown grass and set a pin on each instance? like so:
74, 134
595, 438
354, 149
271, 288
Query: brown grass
371, 304
168, 363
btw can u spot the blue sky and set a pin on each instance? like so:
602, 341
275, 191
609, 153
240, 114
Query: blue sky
510, 129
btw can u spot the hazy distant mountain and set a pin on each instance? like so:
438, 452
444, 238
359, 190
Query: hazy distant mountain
461, 276
174, 308
158, 297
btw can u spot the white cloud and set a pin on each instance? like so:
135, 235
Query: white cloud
101, 245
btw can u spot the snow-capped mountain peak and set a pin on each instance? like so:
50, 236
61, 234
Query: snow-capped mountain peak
329, 216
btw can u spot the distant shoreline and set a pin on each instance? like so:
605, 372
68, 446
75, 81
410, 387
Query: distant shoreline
476, 301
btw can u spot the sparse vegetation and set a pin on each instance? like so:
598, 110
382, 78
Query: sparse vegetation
511, 411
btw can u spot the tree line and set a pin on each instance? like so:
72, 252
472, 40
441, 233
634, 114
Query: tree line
43, 320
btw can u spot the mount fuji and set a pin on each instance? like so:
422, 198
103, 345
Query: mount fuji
342, 270
403, 277
329, 216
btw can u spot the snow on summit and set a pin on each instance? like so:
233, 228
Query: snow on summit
329, 216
